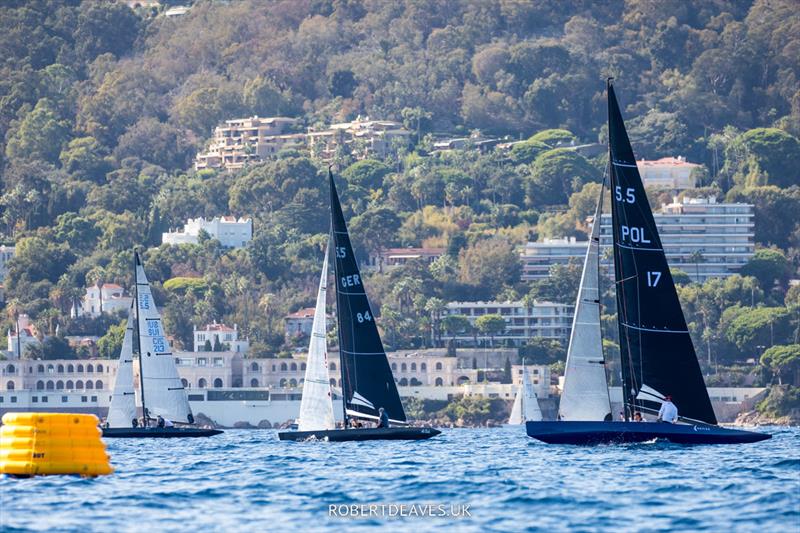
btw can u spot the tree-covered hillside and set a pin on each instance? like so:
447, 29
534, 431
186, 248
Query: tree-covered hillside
102, 108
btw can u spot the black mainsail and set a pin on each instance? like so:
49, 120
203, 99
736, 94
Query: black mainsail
367, 380
658, 357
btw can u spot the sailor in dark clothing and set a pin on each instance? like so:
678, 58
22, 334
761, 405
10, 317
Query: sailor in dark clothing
384, 418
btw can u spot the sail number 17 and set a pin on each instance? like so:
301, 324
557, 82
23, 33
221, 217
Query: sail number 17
653, 278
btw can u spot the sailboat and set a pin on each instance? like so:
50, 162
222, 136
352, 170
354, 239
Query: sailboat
526, 404
161, 390
367, 381
656, 351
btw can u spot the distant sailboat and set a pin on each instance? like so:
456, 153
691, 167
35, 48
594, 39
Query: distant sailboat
367, 380
161, 390
123, 400
585, 392
316, 406
657, 355
526, 404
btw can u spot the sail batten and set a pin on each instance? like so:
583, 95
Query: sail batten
122, 410
367, 380
316, 406
163, 389
656, 349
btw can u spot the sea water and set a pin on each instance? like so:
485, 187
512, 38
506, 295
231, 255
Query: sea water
463, 479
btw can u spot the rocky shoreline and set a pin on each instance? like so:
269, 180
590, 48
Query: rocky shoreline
754, 418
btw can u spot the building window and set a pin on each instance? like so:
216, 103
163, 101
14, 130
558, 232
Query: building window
202, 361
70, 384
84, 399
332, 366
184, 383
201, 383
94, 398
70, 369
98, 385
34, 399
64, 399
13, 399
218, 361
89, 369
423, 367
439, 382
254, 367
254, 382
217, 383
10, 385
99, 368
44, 399
284, 368
438, 365
293, 367
79, 385
59, 385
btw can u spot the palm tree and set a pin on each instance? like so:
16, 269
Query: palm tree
697, 257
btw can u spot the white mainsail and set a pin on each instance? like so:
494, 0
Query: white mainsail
531, 411
316, 406
163, 390
123, 400
585, 394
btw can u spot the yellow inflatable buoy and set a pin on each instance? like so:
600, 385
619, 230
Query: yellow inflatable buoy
52, 443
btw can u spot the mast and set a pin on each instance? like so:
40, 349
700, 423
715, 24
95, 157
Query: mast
19, 340
138, 336
339, 331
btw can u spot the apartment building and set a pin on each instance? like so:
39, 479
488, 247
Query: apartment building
541, 319
362, 137
248, 140
700, 236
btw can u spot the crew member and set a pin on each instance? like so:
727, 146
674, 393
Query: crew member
160, 421
384, 418
668, 411
168, 423
637, 417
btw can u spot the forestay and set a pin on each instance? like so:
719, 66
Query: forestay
585, 394
655, 347
122, 410
316, 406
367, 380
163, 391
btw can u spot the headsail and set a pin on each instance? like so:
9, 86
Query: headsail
367, 380
123, 400
655, 347
163, 389
316, 406
585, 394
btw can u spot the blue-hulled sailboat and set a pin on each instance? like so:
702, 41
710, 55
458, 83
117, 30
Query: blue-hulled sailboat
657, 354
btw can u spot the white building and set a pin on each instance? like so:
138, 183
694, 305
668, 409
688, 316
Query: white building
22, 336
110, 298
538, 257
248, 140
220, 334
673, 173
229, 231
543, 319
701, 237
6, 253
393, 257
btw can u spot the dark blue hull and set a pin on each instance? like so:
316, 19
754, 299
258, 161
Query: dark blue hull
344, 435
159, 433
589, 433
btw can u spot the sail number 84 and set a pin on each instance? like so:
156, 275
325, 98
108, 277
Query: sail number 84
365, 316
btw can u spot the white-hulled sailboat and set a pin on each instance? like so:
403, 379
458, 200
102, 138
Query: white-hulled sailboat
161, 390
526, 404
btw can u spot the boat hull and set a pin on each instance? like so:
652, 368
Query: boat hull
345, 435
158, 433
590, 433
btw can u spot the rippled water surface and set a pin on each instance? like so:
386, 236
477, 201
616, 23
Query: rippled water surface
249, 481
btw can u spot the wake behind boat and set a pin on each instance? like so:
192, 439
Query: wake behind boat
657, 356
368, 386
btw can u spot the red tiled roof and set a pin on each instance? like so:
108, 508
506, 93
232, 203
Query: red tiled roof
218, 327
674, 161
111, 286
307, 312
